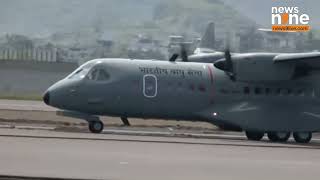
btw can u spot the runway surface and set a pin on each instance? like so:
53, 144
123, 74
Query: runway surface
24, 105
125, 154
89, 156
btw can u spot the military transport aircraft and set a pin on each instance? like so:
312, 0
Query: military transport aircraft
258, 93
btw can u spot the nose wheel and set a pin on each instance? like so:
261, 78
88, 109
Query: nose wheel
96, 126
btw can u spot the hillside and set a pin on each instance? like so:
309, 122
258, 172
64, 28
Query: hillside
114, 18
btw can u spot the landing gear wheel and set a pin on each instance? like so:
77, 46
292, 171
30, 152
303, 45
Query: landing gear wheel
254, 136
96, 126
302, 137
278, 136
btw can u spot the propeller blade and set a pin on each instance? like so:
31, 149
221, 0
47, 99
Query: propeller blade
227, 55
173, 58
229, 64
184, 53
226, 64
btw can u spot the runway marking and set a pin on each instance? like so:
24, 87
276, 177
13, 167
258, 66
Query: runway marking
146, 133
269, 145
10, 177
173, 134
226, 137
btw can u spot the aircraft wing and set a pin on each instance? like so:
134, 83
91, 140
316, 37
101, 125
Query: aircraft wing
312, 57
273, 67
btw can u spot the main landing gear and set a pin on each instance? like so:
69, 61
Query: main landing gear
299, 137
302, 137
254, 136
279, 136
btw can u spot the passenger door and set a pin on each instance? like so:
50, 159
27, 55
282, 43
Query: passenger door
150, 86
150, 92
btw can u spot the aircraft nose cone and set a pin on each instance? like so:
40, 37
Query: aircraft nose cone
46, 98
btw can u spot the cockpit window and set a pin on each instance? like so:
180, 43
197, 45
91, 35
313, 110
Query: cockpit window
81, 71
93, 74
103, 75
98, 75
78, 71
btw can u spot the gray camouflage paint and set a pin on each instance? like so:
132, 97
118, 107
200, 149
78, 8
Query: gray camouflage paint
198, 91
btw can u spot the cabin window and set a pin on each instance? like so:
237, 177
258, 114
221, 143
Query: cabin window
257, 90
267, 91
202, 88
300, 92
285, 91
246, 90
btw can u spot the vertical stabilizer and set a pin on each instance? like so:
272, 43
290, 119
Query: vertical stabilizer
208, 38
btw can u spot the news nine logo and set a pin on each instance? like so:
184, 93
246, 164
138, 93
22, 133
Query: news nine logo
286, 19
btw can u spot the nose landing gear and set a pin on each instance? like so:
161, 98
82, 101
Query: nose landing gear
125, 121
96, 126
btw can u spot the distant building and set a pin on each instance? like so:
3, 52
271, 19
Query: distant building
21, 48
144, 47
175, 42
255, 40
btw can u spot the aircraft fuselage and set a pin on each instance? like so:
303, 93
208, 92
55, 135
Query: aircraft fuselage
189, 91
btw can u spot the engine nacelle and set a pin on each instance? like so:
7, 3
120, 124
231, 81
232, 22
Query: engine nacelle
253, 67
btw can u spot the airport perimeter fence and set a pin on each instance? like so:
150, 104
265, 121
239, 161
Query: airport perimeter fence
29, 54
